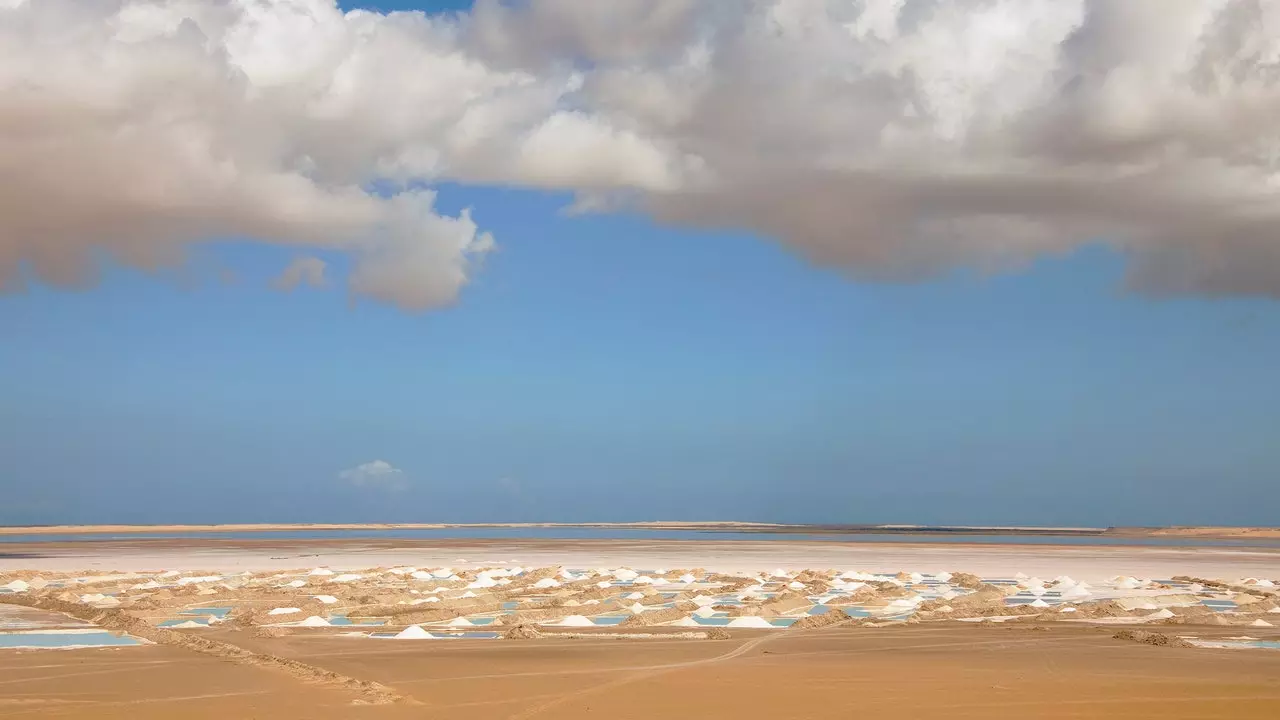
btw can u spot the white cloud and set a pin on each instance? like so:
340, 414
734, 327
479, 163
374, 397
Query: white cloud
375, 474
893, 138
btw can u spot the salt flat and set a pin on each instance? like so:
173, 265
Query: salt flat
1083, 562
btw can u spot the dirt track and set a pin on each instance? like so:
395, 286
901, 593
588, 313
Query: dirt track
836, 673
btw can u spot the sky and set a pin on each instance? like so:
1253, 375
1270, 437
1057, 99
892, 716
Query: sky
936, 262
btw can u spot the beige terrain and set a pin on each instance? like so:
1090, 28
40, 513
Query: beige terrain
514, 629
976, 671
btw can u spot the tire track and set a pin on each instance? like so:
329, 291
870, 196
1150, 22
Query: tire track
647, 672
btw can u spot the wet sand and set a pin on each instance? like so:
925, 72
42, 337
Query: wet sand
1079, 561
837, 673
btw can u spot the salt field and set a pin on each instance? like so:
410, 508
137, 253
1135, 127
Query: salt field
503, 631
505, 600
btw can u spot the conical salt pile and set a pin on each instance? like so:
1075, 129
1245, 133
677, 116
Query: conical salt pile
413, 632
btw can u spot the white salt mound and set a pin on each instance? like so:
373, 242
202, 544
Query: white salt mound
1038, 603
576, 621
687, 578
18, 586
284, 611
327, 599
751, 621
547, 583
1261, 623
320, 571
1162, 614
346, 578
314, 621
421, 575
188, 625
413, 632
297, 583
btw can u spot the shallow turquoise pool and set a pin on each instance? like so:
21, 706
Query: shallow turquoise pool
49, 640
218, 612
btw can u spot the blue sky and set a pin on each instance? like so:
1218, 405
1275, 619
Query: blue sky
608, 367
604, 368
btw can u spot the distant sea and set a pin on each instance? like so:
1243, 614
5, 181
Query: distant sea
573, 533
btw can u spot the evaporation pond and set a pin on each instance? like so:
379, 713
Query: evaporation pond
53, 639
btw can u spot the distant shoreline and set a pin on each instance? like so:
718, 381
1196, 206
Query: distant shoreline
708, 526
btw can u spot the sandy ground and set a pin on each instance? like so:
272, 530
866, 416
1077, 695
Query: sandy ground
838, 673
1088, 563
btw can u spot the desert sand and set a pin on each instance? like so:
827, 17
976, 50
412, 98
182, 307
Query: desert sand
978, 671
517, 629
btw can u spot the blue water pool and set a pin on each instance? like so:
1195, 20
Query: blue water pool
218, 612
65, 640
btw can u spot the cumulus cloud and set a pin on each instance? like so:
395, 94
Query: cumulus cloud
375, 474
892, 138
